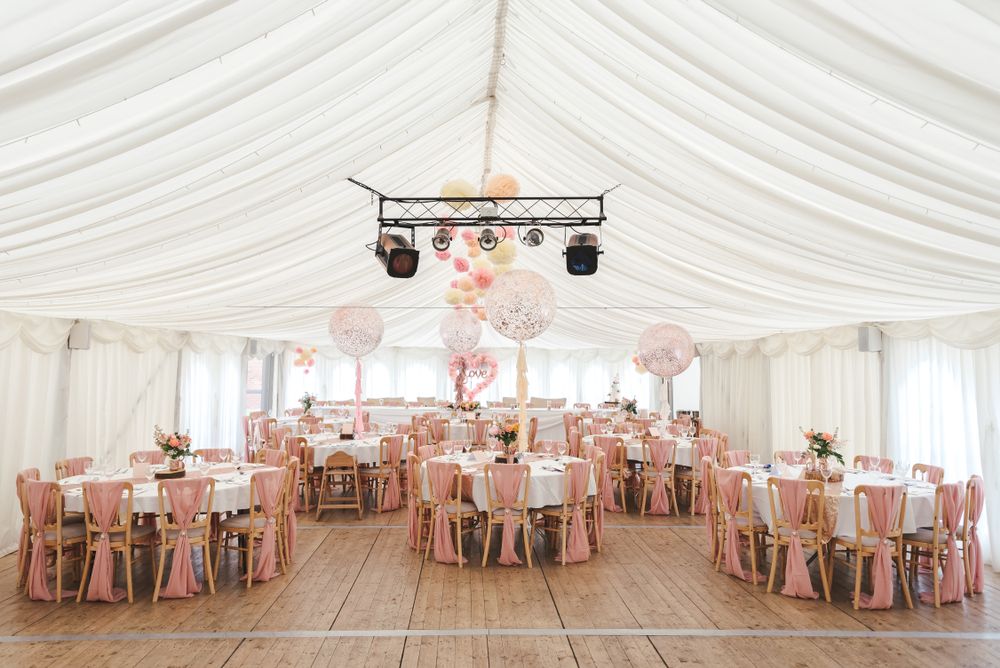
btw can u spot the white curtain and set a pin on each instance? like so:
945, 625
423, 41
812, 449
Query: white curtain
735, 399
943, 407
211, 394
576, 375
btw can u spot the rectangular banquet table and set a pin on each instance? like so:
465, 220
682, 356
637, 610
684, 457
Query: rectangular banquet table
919, 499
232, 489
546, 486
550, 423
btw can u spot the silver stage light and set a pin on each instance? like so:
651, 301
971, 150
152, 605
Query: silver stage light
487, 239
441, 239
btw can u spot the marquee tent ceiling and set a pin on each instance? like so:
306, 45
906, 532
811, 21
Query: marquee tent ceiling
783, 165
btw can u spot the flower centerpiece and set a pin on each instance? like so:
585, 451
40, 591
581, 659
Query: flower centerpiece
465, 406
507, 435
307, 401
630, 407
823, 444
174, 445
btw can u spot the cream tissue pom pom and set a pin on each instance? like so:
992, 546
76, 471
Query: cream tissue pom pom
458, 188
502, 186
504, 253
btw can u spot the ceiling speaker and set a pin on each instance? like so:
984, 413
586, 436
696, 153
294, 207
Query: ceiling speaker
79, 336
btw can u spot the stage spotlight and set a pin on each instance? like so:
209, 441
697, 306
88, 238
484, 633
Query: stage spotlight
397, 255
487, 239
581, 254
534, 237
441, 239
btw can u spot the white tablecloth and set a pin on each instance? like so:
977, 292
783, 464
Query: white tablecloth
546, 486
550, 424
364, 450
232, 490
634, 448
919, 500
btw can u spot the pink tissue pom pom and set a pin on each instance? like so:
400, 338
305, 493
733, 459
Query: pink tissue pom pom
461, 264
453, 284
298, 350
443, 255
468, 235
483, 278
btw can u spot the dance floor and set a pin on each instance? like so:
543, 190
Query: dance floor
357, 595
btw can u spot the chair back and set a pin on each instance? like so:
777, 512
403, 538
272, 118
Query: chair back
445, 480
438, 429
614, 451
732, 501
886, 511
949, 511
928, 472
573, 442
272, 457
788, 457
507, 488
478, 430
735, 458
414, 489
390, 451
659, 456
156, 456
341, 461
802, 504
703, 447
309, 424
867, 462
215, 455
72, 466
576, 484
102, 512
418, 438
582, 406
426, 401
185, 497
548, 445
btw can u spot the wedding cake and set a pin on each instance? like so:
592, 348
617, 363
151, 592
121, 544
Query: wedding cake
615, 395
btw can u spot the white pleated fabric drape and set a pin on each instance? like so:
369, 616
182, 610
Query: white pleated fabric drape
211, 394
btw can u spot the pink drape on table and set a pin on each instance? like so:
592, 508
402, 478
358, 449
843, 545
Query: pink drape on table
597, 529
976, 499
39, 497
953, 574
794, 494
103, 500
883, 513
730, 484
22, 545
412, 518
359, 422
291, 521
268, 485
739, 457
507, 480
78, 465
442, 478
185, 497
392, 498
868, 463
705, 448
659, 451
577, 545
609, 446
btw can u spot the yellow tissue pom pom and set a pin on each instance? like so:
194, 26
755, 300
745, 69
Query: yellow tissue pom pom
459, 188
453, 296
465, 284
504, 253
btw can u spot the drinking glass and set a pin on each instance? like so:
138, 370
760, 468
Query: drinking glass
754, 462
204, 466
876, 463
448, 447
561, 448
826, 471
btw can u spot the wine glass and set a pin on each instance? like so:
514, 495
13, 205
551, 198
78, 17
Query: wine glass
447, 447
754, 462
876, 463
825, 470
141, 456
561, 448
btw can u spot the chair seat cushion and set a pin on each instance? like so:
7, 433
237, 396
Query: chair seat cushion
243, 522
785, 532
925, 535
463, 507
196, 532
76, 530
848, 540
513, 511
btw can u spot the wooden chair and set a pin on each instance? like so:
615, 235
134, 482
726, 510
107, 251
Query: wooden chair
248, 528
54, 536
151, 457
463, 514
866, 462
72, 466
714, 518
931, 543
532, 430
555, 520
198, 531
300, 450
307, 424
271, 457
571, 422
287, 515
548, 445
341, 469
615, 461
975, 495
689, 477
24, 536
650, 477
864, 542
439, 429
811, 528
123, 535
496, 511
419, 510
743, 517
595, 502
376, 478
928, 472
787, 457
479, 431
732, 458
215, 455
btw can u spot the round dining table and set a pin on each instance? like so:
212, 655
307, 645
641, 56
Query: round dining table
365, 450
546, 486
232, 488
633, 448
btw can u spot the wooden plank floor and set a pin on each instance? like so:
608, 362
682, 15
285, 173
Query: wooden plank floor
356, 594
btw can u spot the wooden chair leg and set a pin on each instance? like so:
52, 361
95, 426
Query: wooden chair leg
249, 559
83, 577
822, 572
207, 566
486, 543
458, 537
128, 571
753, 555
774, 568
969, 585
562, 533
430, 533
857, 581
159, 571
527, 542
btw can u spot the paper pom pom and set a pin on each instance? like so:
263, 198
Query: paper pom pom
459, 188
443, 255
504, 253
298, 350
298, 362
483, 278
453, 296
480, 292
312, 350
454, 284
502, 186
502, 269
474, 251
465, 284
468, 235
470, 298
482, 263
461, 265
311, 362
508, 232
482, 316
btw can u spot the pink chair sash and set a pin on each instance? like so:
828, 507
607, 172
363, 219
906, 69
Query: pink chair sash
883, 512
23, 542
436, 427
104, 500
275, 458
659, 450
420, 438
935, 475
185, 497
593, 429
403, 429
788, 456
442, 477
868, 463
976, 499
479, 429
574, 443
425, 452
608, 445
39, 496
730, 485
577, 545
597, 529
412, 519
793, 495
953, 576
153, 456
214, 455
706, 466
705, 448
78, 465
739, 457
291, 521
268, 485
673, 430
392, 499
507, 479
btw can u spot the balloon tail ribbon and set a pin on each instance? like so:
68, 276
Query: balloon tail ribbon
522, 399
359, 424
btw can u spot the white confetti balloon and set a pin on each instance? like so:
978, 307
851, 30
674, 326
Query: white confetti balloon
460, 331
521, 304
666, 350
356, 330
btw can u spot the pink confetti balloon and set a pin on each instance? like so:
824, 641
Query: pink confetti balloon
666, 350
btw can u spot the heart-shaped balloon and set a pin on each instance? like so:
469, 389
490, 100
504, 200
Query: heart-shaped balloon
478, 367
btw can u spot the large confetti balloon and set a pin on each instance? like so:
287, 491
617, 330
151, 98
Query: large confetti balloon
521, 304
356, 330
460, 331
666, 350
